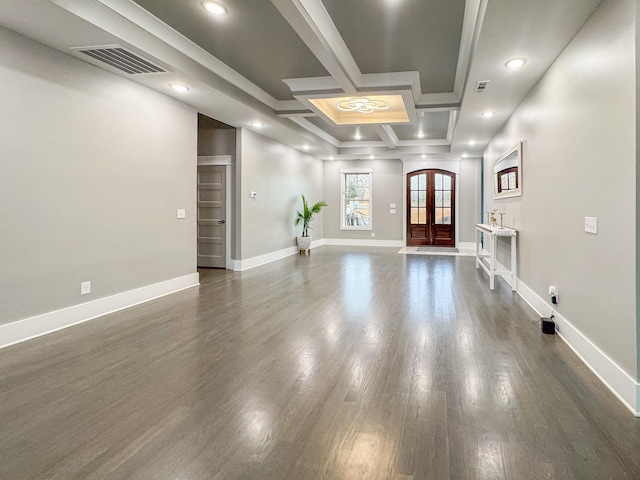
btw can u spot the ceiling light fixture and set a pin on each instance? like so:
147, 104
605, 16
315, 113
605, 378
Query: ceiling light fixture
420, 135
488, 114
515, 63
331, 157
472, 142
362, 105
423, 156
179, 88
371, 157
305, 147
257, 124
357, 136
214, 8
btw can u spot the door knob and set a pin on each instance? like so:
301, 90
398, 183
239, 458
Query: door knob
220, 222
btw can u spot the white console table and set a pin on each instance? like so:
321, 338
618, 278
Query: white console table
488, 262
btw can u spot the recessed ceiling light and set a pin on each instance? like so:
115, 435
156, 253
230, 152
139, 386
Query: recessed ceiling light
420, 135
472, 142
305, 147
257, 124
488, 114
331, 157
371, 157
515, 63
214, 8
357, 136
179, 88
423, 155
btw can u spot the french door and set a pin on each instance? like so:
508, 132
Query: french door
431, 208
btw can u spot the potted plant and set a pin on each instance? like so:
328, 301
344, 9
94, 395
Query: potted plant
305, 216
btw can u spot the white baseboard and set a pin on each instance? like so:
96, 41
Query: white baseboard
467, 246
33, 327
621, 384
247, 263
363, 242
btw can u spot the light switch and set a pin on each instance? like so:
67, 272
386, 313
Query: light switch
392, 210
181, 213
392, 205
591, 224
254, 194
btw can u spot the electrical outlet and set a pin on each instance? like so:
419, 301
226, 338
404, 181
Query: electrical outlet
373, 234
181, 213
85, 288
553, 293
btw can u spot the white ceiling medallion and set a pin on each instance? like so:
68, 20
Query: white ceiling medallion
362, 105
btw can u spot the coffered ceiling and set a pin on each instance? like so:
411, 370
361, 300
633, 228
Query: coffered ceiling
262, 65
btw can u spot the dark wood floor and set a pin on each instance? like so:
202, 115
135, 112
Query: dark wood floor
344, 364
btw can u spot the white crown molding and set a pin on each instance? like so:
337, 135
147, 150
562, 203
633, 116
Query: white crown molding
312, 84
33, 327
423, 142
388, 136
306, 124
427, 100
451, 127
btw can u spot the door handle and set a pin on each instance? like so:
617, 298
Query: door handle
220, 222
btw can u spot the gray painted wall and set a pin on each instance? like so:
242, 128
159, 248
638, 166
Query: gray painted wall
93, 170
279, 175
579, 132
387, 188
469, 185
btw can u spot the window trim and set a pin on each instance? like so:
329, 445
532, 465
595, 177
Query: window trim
360, 171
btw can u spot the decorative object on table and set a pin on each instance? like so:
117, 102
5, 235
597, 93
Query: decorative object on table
492, 218
305, 216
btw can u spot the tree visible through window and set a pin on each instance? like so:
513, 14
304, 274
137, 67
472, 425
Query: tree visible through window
356, 200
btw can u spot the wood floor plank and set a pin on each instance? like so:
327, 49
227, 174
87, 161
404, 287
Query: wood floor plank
351, 363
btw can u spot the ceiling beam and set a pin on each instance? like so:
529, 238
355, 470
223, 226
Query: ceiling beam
314, 26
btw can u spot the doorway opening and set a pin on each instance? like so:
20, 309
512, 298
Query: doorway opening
216, 153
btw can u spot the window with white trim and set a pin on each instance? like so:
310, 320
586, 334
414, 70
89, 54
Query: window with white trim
356, 203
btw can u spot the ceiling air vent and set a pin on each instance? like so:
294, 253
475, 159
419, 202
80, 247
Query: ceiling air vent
482, 85
121, 59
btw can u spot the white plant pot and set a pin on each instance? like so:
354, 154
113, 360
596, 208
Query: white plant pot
304, 244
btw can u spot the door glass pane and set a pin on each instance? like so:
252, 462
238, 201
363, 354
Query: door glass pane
414, 182
446, 199
422, 216
447, 182
438, 216
446, 216
422, 181
414, 216
438, 181
414, 198
423, 199
438, 199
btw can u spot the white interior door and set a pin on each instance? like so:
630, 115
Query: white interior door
212, 216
